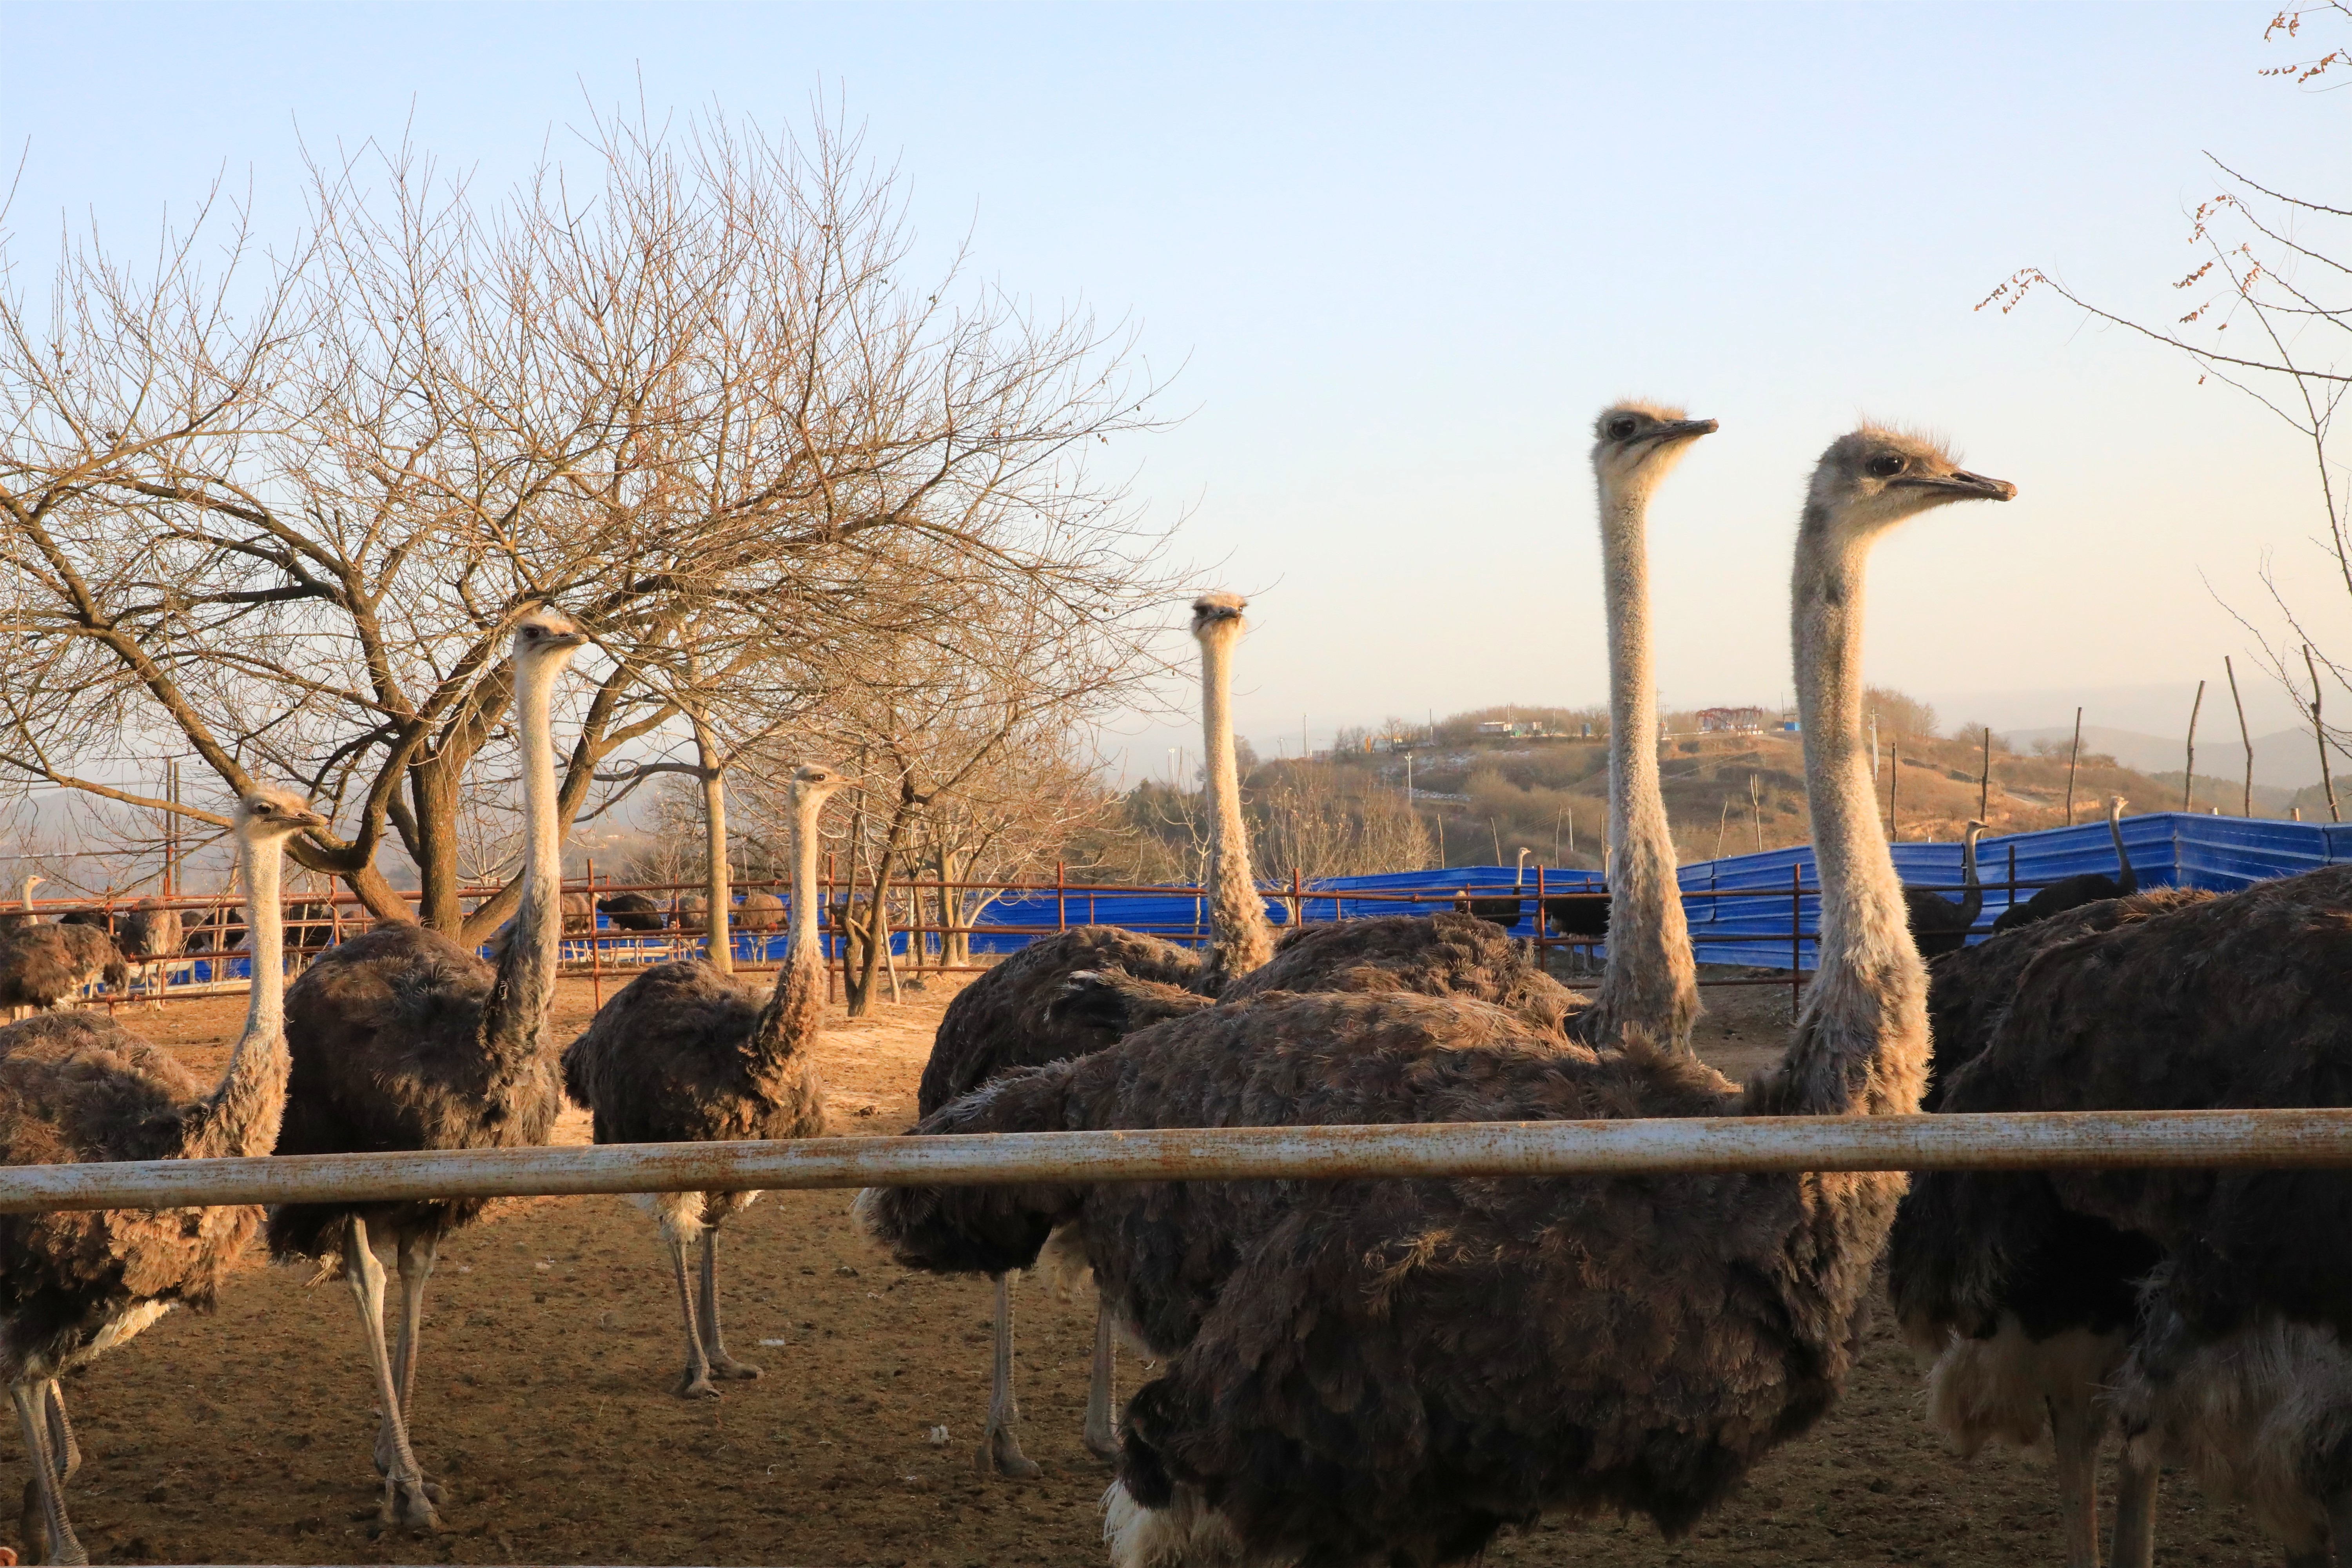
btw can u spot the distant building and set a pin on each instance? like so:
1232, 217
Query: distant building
1731, 720
1500, 729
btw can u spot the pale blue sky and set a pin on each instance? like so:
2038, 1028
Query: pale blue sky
1403, 255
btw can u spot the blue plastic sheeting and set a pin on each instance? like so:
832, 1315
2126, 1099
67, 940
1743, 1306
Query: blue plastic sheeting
1751, 927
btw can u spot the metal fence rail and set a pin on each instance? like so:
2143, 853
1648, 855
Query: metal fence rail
2107, 1138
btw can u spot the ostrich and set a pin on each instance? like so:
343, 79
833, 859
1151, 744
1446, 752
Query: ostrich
579, 914
1499, 911
2075, 891
632, 911
1391, 1371
42, 966
1938, 925
2236, 1364
151, 938
760, 910
78, 1087
684, 1054
1018, 1014
2039, 1351
24, 914
403, 1039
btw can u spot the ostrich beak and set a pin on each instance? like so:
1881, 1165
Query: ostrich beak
309, 822
1961, 485
1682, 430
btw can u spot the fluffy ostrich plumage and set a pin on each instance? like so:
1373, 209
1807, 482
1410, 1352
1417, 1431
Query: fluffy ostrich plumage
632, 911
1448, 955
1007, 1018
1332, 1347
42, 966
675, 1059
760, 911
2167, 1002
389, 1053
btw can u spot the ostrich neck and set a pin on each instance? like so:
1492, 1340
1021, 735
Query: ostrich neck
1240, 939
514, 1019
1861, 1043
787, 1025
243, 1114
1650, 985
2126, 879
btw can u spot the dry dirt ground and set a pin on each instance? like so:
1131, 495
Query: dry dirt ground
553, 1341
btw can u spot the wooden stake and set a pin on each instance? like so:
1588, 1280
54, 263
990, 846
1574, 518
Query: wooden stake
1893, 784
2074, 756
2247, 806
1984, 777
2189, 770
2319, 733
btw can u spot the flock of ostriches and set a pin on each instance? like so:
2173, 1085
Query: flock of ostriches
1371, 1371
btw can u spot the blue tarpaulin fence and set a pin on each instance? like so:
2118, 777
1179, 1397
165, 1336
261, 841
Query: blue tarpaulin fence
1739, 906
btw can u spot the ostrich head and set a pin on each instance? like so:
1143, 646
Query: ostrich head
1637, 443
262, 813
2116, 804
814, 781
1218, 616
1874, 477
547, 637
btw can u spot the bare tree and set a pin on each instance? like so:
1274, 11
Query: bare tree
282, 512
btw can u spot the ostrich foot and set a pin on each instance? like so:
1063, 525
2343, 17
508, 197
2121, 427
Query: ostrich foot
694, 1383
1000, 1455
726, 1368
1102, 1446
408, 1505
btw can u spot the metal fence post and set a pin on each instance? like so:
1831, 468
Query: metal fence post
1060, 897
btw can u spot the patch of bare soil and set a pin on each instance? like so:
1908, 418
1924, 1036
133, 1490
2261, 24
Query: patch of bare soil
553, 1340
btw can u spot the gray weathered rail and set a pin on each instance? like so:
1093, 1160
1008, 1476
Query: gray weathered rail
2115, 1139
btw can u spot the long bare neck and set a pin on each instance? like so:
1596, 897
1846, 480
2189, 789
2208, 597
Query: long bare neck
1240, 937
2126, 879
1861, 1043
514, 1019
1650, 985
242, 1116
788, 1023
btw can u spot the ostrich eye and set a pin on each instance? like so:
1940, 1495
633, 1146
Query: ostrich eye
1886, 466
1623, 430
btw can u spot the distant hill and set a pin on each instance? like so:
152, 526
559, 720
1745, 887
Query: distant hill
2284, 759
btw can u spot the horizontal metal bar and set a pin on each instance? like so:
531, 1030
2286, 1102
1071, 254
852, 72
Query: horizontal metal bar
2197, 1139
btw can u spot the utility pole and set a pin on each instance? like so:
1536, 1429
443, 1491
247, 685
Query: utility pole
2074, 756
1984, 778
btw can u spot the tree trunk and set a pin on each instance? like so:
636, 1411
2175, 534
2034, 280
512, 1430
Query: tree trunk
714, 841
876, 931
434, 787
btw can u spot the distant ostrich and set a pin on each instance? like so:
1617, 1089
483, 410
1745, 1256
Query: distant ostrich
43, 965
579, 914
1392, 1371
1938, 925
1020, 1013
632, 911
2075, 891
78, 1087
24, 914
2238, 1365
403, 1039
150, 937
760, 910
685, 1055
693, 912
1498, 912
2039, 1351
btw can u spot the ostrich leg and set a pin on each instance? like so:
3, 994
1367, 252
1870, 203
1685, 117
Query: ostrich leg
2136, 1488
695, 1382
1000, 1446
714, 1344
405, 1500
1102, 1427
2074, 1432
418, 1252
55, 1534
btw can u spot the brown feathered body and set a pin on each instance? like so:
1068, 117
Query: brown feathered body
1395, 1369
760, 911
1006, 1018
42, 966
685, 1054
1448, 954
390, 1051
2237, 1365
74, 1087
